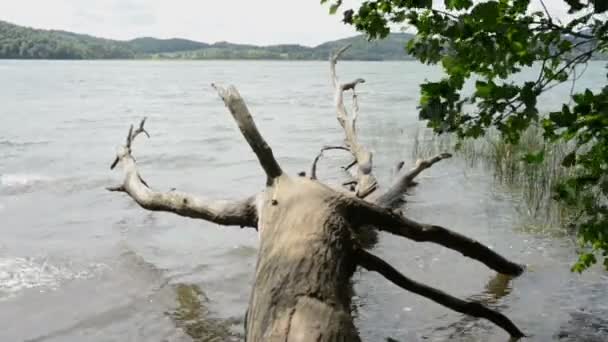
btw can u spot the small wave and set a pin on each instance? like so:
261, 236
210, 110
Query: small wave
21, 179
18, 274
10, 143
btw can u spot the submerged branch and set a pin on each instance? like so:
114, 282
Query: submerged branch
373, 263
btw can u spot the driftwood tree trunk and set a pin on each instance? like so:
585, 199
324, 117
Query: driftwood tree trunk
310, 233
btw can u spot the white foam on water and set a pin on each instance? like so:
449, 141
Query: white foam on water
18, 183
18, 274
21, 179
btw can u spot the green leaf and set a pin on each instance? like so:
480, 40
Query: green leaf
483, 89
487, 14
534, 158
585, 261
604, 186
600, 6
569, 160
334, 7
564, 118
565, 45
458, 4
489, 42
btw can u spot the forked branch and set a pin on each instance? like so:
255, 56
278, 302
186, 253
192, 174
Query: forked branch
235, 103
130, 138
239, 213
373, 263
392, 196
368, 214
366, 182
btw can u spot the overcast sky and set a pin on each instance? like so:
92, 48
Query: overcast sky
240, 21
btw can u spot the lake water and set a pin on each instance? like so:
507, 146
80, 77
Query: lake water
78, 263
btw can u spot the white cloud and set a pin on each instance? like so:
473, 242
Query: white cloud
242, 21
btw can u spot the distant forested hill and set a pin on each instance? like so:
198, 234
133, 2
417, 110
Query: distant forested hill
392, 48
22, 42
18, 42
149, 45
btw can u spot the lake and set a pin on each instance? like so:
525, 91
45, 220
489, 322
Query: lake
79, 263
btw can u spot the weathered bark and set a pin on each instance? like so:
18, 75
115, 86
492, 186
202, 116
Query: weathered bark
309, 234
305, 262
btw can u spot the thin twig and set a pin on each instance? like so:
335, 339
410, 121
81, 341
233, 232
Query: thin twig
546, 11
313, 168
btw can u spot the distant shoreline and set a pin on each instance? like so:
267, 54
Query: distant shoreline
197, 60
20, 42
24, 43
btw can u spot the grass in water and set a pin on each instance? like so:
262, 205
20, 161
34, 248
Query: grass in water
531, 184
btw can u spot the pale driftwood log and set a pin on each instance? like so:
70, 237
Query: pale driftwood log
305, 260
308, 239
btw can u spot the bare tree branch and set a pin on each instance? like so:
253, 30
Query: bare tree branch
399, 166
351, 164
366, 182
117, 188
351, 85
373, 263
239, 213
393, 194
313, 168
549, 17
368, 214
126, 149
241, 115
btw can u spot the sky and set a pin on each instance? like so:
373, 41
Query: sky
260, 22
